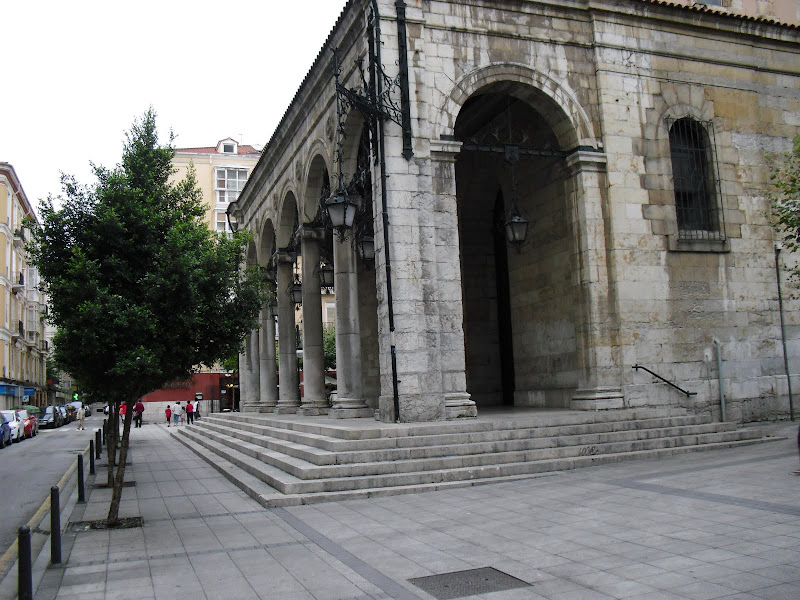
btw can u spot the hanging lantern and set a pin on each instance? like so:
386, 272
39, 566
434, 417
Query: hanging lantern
341, 210
366, 247
326, 276
233, 221
296, 291
516, 228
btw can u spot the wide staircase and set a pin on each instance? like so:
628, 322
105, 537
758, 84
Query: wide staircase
290, 460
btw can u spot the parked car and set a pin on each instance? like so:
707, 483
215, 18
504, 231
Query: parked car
17, 428
64, 416
51, 418
5, 432
29, 422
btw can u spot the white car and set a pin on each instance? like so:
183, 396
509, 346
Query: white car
17, 426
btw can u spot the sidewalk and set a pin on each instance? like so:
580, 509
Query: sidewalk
701, 526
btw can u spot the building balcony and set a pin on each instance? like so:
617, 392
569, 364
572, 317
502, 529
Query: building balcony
19, 238
19, 285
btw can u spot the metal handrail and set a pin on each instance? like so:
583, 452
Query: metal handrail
637, 367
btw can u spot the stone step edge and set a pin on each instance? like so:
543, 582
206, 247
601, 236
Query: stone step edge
287, 480
254, 487
322, 457
306, 472
413, 429
334, 444
269, 497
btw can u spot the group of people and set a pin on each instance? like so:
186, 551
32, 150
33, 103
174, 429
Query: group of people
178, 414
181, 414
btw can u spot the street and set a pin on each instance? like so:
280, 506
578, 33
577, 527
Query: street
29, 469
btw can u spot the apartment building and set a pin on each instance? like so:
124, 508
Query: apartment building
23, 347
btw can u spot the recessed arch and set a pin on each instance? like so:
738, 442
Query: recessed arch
318, 181
569, 120
266, 241
287, 220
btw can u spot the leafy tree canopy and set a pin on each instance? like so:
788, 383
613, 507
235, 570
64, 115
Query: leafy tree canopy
141, 290
785, 198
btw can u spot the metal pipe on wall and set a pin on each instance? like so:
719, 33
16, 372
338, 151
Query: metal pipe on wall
721, 379
778, 248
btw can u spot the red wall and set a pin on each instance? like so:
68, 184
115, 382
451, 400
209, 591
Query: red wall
206, 383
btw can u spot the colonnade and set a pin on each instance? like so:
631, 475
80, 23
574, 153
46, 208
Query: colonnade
265, 389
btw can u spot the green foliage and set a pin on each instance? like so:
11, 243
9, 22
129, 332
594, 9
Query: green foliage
140, 289
329, 346
785, 198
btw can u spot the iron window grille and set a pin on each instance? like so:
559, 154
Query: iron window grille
698, 198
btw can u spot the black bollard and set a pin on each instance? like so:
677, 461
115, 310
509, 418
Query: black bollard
81, 488
91, 456
24, 566
98, 444
55, 527
105, 429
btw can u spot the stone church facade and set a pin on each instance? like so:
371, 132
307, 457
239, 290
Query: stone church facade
632, 136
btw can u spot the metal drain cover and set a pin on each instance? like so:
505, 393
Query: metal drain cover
467, 583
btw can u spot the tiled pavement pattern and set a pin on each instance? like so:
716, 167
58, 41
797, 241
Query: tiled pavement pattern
701, 526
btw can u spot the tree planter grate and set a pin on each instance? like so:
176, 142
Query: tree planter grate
472, 582
105, 486
100, 524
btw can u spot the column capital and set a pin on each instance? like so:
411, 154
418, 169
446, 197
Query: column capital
445, 150
284, 256
583, 160
316, 234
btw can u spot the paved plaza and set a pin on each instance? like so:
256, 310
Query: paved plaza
700, 526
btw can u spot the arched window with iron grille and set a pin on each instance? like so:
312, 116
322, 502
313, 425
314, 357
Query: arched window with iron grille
696, 186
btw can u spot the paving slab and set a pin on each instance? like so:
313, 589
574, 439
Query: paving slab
717, 524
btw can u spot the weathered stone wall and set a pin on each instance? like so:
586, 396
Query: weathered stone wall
605, 282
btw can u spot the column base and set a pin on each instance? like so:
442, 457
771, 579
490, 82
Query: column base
314, 411
597, 398
350, 408
286, 410
458, 405
352, 413
251, 407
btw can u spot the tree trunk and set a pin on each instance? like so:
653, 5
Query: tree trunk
119, 473
111, 440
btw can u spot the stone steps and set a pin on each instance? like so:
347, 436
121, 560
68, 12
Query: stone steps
295, 462
484, 443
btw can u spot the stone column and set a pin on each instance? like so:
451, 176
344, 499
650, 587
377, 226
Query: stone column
289, 397
244, 374
314, 401
251, 397
457, 402
600, 385
268, 371
349, 401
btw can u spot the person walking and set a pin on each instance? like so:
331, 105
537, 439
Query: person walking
137, 413
183, 415
189, 413
81, 416
168, 412
176, 414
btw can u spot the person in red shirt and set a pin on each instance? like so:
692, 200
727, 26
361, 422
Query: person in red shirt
137, 413
189, 413
168, 412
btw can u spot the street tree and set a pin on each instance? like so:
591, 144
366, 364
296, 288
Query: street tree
785, 199
140, 289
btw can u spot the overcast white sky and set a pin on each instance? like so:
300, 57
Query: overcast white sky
77, 73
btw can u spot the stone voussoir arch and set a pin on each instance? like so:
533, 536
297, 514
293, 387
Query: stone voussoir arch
583, 133
317, 149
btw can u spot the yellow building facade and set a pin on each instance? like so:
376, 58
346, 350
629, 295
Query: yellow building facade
23, 348
221, 172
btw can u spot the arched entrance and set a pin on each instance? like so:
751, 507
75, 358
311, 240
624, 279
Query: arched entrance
521, 303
